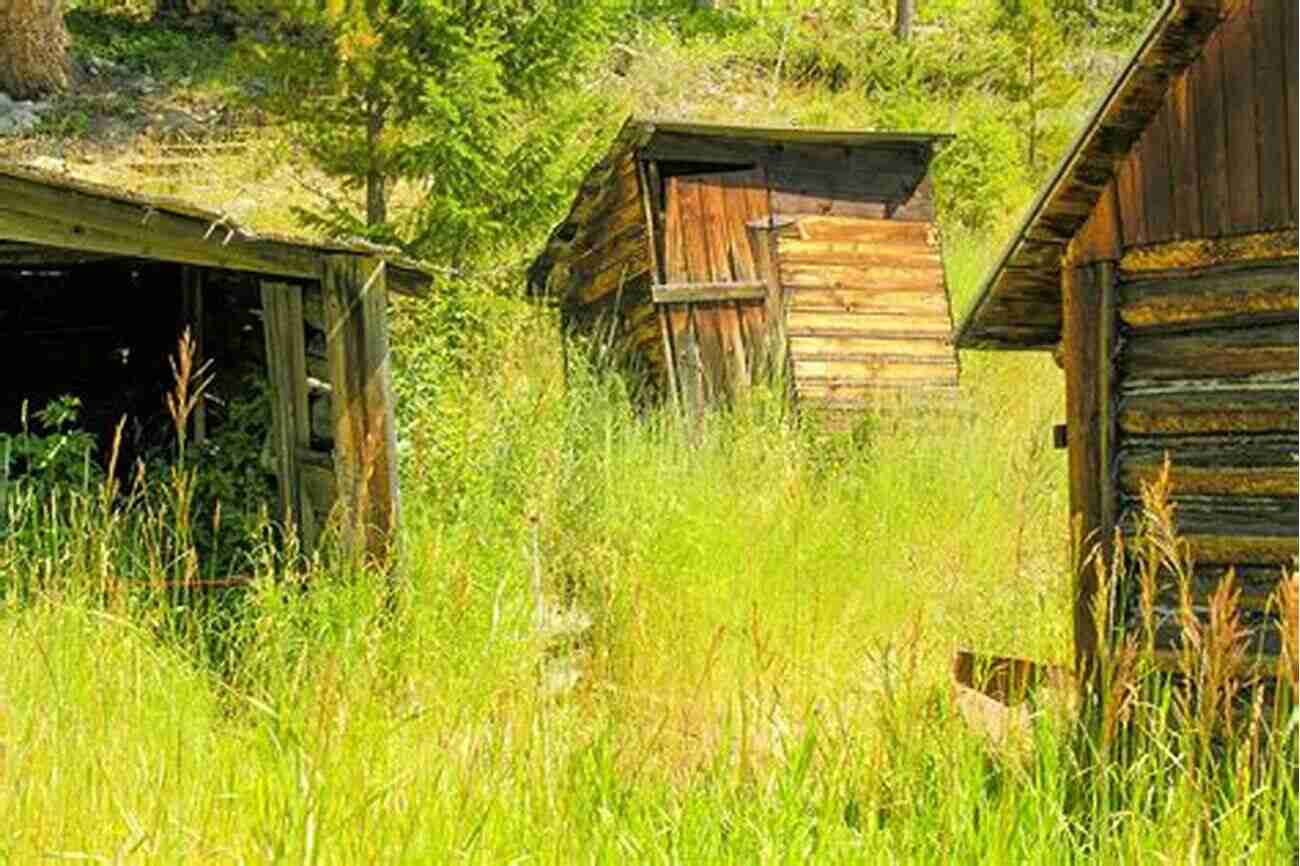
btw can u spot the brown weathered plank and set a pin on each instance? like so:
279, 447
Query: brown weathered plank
862, 255
365, 433
1244, 351
1088, 327
1212, 409
1101, 238
1157, 174
1238, 549
1213, 480
1211, 139
713, 196
1132, 208
1180, 106
830, 347
1266, 23
646, 193
628, 244
1218, 296
743, 191
851, 277
811, 322
286, 362
1290, 64
676, 293
849, 229
1239, 103
867, 300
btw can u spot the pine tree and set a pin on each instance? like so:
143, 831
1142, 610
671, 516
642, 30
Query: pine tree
429, 92
33, 48
1038, 82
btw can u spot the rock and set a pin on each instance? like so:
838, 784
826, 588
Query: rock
19, 117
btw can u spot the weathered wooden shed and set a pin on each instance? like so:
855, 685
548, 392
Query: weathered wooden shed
702, 257
97, 283
1161, 261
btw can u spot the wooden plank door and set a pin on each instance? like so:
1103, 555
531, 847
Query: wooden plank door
717, 332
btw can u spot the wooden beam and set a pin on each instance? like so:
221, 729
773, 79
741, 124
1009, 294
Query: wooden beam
286, 362
88, 225
1088, 344
55, 217
672, 293
365, 433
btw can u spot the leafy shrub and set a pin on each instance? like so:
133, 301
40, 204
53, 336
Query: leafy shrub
60, 454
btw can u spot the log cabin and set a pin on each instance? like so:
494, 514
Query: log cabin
702, 258
1160, 263
99, 282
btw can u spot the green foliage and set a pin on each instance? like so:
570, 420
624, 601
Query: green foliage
141, 47
60, 454
430, 92
1038, 83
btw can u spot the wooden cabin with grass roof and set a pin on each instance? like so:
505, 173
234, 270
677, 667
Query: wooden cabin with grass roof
98, 284
703, 258
1160, 263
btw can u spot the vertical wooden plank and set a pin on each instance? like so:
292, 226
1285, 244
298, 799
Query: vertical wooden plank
1291, 64
1266, 22
192, 314
1180, 105
1101, 237
1211, 139
365, 434
1088, 342
1239, 103
647, 192
704, 317
676, 271
286, 361
1131, 208
713, 193
1158, 179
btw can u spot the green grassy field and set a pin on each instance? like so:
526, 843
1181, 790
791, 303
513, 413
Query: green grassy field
769, 614
764, 678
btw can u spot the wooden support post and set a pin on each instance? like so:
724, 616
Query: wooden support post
763, 239
647, 177
286, 363
192, 318
365, 433
1088, 342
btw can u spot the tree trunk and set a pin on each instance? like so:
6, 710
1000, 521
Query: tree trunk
33, 48
905, 12
376, 191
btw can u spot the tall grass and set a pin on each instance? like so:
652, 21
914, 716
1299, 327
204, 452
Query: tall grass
759, 674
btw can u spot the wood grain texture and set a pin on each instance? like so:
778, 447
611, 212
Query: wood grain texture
1271, 134
1088, 334
1291, 67
1239, 104
1211, 140
365, 433
286, 362
865, 310
1252, 293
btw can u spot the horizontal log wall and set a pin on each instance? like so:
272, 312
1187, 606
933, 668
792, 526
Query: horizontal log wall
867, 314
1207, 372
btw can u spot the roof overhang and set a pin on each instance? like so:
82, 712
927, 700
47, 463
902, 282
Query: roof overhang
1019, 302
78, 219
